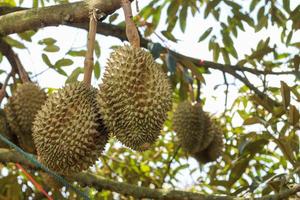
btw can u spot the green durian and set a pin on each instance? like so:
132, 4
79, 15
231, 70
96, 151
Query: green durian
68, 131
135, 97
215, 148
21, 109
190, 123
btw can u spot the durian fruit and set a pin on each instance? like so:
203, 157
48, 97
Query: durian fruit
190, 123
21, 109
68, 131
215, 148
5, 130
135, 96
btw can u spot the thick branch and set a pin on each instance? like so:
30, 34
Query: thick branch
99, 183
21, 21
87, 179
13, 59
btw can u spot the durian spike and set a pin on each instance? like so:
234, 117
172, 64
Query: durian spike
89, 58
22, 72
131, 30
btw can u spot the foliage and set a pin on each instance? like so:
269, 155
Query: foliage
261, 154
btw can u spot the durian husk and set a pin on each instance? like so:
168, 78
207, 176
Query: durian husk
135, 97
68, 131
21, 109
215, 148
190, 123
5, 131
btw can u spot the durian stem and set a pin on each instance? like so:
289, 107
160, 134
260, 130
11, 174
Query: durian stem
22, 73
191, 90
131, 30
89, 58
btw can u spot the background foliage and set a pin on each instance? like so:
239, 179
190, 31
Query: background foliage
261, 154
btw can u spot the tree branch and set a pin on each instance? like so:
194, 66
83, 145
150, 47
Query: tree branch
99, 183
35, 18
13, 59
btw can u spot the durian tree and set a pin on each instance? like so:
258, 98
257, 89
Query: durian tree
232, 131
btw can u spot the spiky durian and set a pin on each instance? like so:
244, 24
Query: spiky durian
135, 96
215, 148
190, 123
68, 131
5, 130
21, 109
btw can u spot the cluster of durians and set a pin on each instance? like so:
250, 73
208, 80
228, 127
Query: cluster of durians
71, 129
199, 134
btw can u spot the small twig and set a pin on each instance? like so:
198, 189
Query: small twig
103, 158
226, 92
131, 30
137, 6
22, 72
3, 88
89, 57
169, 164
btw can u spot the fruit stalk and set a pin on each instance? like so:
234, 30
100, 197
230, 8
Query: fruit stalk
89, 59
131, 30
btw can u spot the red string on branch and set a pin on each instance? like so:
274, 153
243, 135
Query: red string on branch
37, 185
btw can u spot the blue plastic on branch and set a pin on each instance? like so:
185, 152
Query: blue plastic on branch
155, 49
35, 162
171, 63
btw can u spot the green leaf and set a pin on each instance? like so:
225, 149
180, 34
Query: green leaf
253, 4
205, 34
47, 60
80, 53
286, 5
253, 120
225, 56
74, 75
173, 8
97, 49
63, 62
51, 48
169, 36
61, 71
14, 43
182, 18
289, 37
113, 17
145, 168
238, 169
285, 94
216, 52
210, 5
97, 70
27, 35
47, 41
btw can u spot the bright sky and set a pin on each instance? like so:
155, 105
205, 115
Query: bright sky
71, 38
